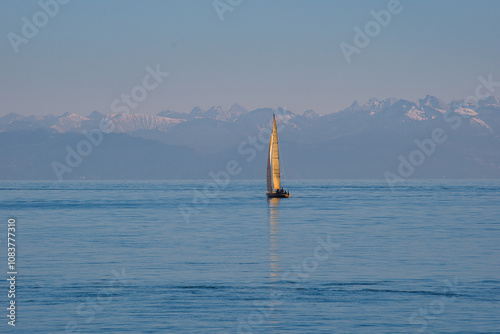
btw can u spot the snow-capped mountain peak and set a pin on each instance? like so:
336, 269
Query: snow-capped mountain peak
69, 122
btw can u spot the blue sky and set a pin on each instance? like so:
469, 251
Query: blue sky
263, 54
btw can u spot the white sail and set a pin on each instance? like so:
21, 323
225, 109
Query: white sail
269, 168
275, 157
273, 161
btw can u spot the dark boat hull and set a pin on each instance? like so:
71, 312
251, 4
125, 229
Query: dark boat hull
276, 195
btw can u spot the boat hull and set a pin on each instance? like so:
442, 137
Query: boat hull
276, 195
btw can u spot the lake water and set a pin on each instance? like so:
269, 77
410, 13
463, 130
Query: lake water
335, 257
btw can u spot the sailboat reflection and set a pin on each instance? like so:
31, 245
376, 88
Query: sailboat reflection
273, 233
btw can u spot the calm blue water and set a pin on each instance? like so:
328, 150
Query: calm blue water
336, 257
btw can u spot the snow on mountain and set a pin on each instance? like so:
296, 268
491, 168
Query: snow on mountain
487, 102
122, 122
310, 114
416, 114
477, 121
135, 122
372, 106
219, 113
68, 122
389, 113
196, 112
433, 102
395, 110
284, 116
175, 115
465, 111
236, 110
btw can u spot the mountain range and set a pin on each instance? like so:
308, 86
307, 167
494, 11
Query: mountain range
361, 141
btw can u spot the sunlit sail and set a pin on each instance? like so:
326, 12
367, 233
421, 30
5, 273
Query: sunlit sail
274, 188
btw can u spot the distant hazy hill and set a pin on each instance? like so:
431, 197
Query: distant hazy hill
362, 141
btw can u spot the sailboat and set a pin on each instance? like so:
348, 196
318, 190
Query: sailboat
274, 189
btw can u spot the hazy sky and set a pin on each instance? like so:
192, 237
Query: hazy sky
265, 53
